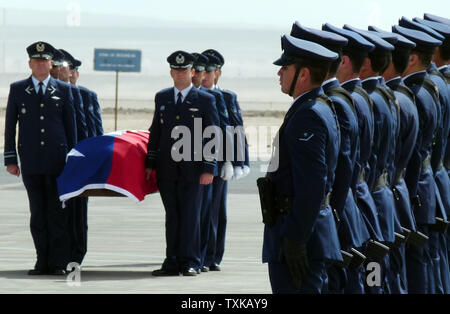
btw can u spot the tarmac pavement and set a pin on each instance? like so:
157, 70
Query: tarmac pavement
126, 242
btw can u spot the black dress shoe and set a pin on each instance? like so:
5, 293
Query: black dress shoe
37, 272
214, 267
57, 272
164, 273
190, 272
205, 269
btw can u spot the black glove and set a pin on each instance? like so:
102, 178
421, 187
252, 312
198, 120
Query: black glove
294, 255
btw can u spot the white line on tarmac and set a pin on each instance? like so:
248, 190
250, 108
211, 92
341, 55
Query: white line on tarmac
10, 186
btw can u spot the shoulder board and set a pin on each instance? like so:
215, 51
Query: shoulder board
447, 76
406, 91
431, 87
388, 96
437, 73
363, 93
343, 94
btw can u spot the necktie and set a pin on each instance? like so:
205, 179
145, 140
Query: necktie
41, 90
179, 100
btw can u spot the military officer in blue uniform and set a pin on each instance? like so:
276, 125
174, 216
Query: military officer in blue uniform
406, 141
225, 170
419, 175
199, 67
77, 207
239, 157
43, 107
181, 180
354, 56
352, 231
80, 214
440, 60
64, 75
303, 240
92, 120
241, 161
384, 142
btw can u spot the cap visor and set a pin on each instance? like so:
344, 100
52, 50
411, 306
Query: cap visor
284, 60
41, 56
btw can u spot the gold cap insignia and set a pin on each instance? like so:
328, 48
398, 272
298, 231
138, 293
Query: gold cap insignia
179, 59
40, 47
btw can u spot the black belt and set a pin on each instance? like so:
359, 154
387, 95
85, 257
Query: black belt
381, 182
426, 163
284, 204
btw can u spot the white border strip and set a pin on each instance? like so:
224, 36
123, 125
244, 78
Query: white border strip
114, 188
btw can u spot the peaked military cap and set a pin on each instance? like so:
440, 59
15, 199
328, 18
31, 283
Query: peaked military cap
40, 50
58, 57
76, 64
423, 41
213, 63
399, 40
404, 22
435, 18
73, 63
329, 40
215, 53
200, 62
441, 28
374, 39
181, 60
355, 40
295, 49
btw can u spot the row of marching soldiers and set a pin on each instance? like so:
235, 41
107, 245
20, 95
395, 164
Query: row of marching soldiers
53, 113
391, 193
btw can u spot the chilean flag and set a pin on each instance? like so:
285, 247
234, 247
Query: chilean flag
114, 161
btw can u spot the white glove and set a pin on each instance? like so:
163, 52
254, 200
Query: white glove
246, 171
227, 171
238, 173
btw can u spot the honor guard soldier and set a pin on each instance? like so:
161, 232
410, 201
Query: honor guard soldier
241, 161
240, 156
199, 69
352, 231
354, 56
441, 57
64, 75
419, 176
408, 131
300, 236
77, 206
43, 107
181, 180
205, 215
442, 60
224, 168
383, 150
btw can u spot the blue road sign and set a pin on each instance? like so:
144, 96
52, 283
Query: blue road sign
117, 60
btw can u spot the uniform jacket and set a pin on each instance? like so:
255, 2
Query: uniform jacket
88, 111
420, 181
307, 151
235, 114
167, 117
47, 127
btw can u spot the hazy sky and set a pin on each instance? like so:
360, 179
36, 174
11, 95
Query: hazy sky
251, 13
